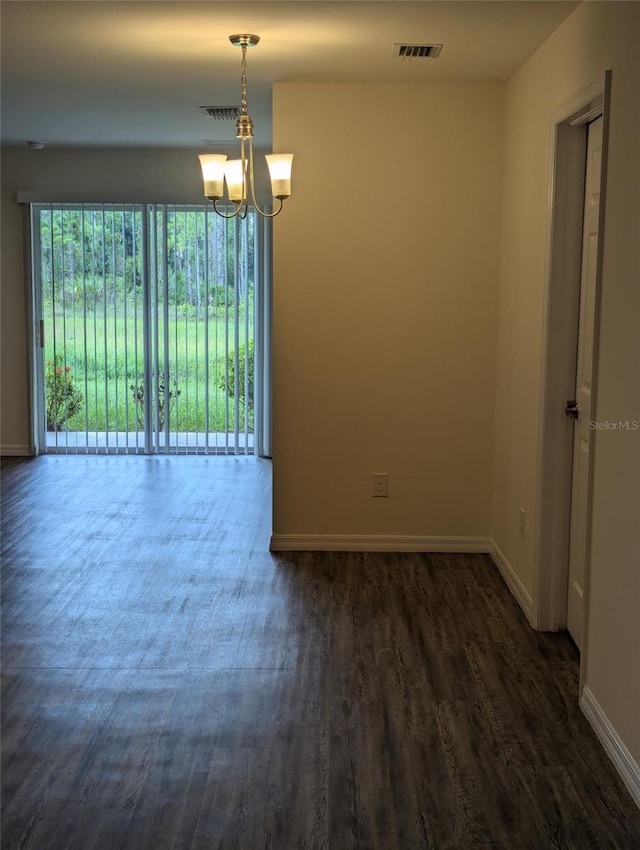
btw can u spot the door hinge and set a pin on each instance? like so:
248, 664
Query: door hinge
41, 333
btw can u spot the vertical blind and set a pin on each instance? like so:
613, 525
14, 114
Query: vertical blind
154, 329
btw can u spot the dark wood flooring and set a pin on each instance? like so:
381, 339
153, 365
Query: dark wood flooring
168, 683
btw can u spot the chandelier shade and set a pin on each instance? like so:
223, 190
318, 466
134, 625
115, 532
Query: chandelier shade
238, 174
235, 177
212, 165
279, 165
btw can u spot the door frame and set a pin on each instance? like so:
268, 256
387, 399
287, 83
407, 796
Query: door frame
263, 285
34, 325
559, 347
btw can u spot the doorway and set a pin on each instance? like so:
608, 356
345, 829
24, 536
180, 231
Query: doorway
151, 320
580, 406
571, 336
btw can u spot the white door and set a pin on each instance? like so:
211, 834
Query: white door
582, 409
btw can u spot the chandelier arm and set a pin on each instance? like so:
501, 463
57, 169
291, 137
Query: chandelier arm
241, 208
243, 159
261, 212
265, 214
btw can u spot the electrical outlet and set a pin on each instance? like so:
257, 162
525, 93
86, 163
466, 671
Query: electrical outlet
522, 522
380, 484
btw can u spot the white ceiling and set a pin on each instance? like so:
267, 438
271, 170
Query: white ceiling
92, 72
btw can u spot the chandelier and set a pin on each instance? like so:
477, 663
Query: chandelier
239, 173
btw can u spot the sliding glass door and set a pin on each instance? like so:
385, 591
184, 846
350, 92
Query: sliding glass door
151, 319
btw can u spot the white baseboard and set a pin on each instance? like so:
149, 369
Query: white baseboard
15, 450
376, 543
523, 598
614, 747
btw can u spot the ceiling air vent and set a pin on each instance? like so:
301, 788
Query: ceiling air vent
221, 113
417, 51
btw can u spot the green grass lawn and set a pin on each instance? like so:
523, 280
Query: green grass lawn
105, 355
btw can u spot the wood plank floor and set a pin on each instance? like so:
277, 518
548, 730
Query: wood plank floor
168, 683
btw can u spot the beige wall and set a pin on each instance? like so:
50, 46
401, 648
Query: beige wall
385, 282
14, 364
596, 37
71, 174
